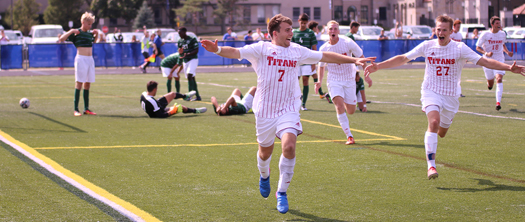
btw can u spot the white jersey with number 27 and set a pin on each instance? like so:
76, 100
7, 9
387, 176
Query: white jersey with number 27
443, 64
277, 67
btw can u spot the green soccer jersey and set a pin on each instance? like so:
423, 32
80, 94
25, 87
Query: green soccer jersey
83, 39
189, 45
171, 61
360, 85
305, 38
239, 109
350, 35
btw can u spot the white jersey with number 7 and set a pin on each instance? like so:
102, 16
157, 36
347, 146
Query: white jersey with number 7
443, 64
278, 89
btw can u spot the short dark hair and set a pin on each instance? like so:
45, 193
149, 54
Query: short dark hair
494, 19
151, 85
250, 31
304, 17
183, 29
275, 23
313, 24
354, 24
457, 22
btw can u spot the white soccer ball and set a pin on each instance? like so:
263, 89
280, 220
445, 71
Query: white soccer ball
24, 103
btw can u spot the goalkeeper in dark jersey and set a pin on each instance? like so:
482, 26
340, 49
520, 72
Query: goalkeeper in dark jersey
168, 67
158, 108
235, 104
83, 39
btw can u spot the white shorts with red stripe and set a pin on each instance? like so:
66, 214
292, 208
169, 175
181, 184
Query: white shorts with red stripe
269, 128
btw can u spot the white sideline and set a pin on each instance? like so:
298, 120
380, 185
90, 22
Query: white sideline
74, 183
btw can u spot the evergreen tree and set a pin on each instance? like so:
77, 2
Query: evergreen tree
62, 11
228, 9
25, 15
144, 17
191, 13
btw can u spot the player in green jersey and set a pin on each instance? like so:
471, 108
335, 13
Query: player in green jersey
354, 27
306, 37
168, 66
188, 50
235, 104
83, 39
360, 92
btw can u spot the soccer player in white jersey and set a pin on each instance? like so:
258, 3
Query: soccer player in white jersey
439, 95
341, 77
492, 45
277, 100
456, 36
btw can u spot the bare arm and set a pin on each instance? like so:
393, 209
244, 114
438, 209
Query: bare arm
506, 50
226, 51
390, 63
64, 37
332, 57
493, 64
480, 50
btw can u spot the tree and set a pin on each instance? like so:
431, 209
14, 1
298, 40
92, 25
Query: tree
125, 9
144, 17
25, 15
62, 11
191, 13
228, 9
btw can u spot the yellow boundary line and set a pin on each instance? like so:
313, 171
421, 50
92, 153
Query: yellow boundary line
356, 130
98, 190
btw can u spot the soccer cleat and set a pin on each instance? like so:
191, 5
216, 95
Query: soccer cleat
142, 69
201, 110
321, 96
282, 202
432, 173
264, 187
350, 140
498, 106
77, 113
189, 95
303, 108
327, 96
461, 95
198, 98
88, 112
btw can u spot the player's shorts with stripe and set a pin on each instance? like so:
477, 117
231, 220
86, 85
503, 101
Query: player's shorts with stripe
84, 68
306, 70
166, 72
190, 67
269, 128
344, 89
491, 73
448, 105
246, 101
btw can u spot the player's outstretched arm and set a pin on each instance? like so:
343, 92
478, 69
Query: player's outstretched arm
493, 64
332, 57
226, 51
390, 63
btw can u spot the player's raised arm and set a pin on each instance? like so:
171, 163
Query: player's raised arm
332, 57
224, 51
493, 64
390, 63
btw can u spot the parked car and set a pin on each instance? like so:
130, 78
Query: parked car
417, 31
518, 34
470, 28
15, 37
368, 33
174, 36
510, 30
45, 33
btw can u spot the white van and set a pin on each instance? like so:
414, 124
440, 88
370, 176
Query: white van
45, 33
470, 28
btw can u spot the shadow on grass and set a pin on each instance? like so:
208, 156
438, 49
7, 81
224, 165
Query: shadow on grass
58, 122
146, 117
418, 146
310, 217
515, 111
491, 186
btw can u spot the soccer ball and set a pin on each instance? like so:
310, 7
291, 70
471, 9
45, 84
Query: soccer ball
24, 103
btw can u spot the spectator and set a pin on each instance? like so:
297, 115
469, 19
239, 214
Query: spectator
475, 34
134, 39
229, 35
258, 36
3, 38
101, 37
434, 35
118, 37
398, 31
382, 36
248, 37
314, 26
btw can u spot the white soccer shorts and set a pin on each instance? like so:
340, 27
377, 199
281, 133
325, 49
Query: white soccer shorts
448, 105
344, 89
84, 68
359, 97
491, 73
246, 101
269, 128
191, 67
306, 70
166, 72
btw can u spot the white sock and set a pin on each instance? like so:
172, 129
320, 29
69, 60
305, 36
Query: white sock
343, 121
499, 92
431, 143
264, 166
286, 170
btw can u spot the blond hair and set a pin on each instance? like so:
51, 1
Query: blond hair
87, 17
332, 22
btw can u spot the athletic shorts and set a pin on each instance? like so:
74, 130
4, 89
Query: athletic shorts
306, 70
246, 101
448, 105
159, 52
145, 54
359, 97
166, 72
84, 68
190, 67
269, 128
491, 73
344, 89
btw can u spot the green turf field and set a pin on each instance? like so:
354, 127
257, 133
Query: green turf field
203, 167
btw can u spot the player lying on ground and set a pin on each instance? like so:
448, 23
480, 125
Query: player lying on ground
440, 89
157, 108
235, 104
